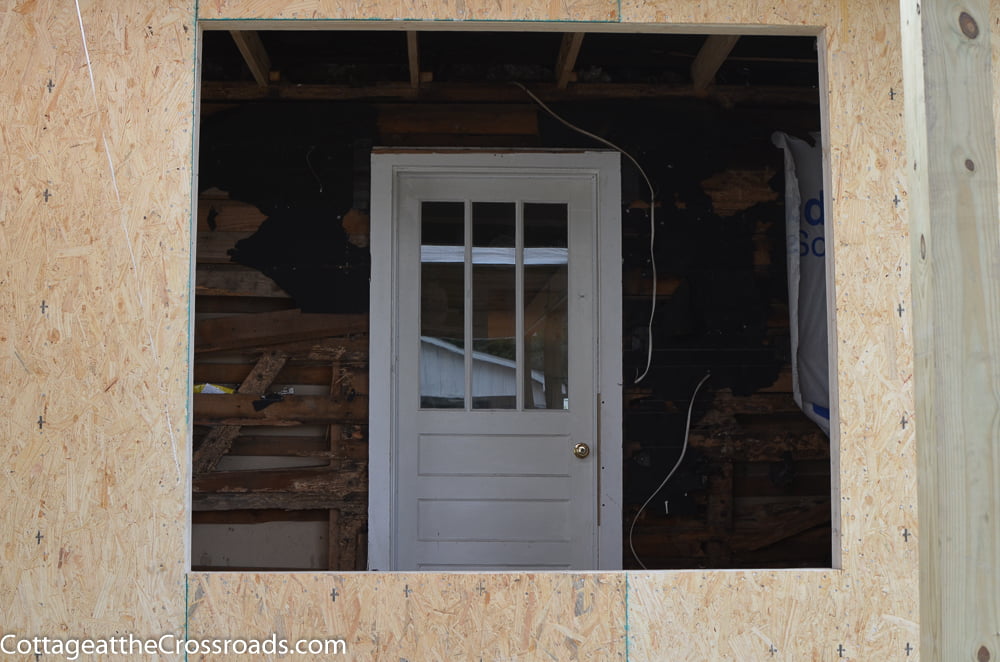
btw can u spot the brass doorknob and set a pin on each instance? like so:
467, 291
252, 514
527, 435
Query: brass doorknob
581, 450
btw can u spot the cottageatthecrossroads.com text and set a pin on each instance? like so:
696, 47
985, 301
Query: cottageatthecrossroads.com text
168, 644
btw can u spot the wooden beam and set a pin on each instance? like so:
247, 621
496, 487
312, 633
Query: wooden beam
713, 53
201, 502
283, 326
325, 481
487, 92
293, 410
413, 56
254, 54
220, 439
566, 62
257, 516
954, 230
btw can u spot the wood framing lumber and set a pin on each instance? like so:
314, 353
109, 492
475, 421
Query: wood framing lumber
323, 481
413, 58
254, 54
220, 439
955, 237
566, 62
293, 410
482, 93
713, 53
277, 500
243, 331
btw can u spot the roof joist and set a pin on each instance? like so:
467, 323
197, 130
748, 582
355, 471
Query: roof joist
713, 53
254, 54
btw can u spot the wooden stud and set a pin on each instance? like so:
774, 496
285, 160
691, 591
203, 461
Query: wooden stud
713, 53
566, 62
955, 236
254, 54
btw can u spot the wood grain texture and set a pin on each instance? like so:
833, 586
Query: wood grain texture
424, 616
104, 482
447, 10
94, 172
956, 284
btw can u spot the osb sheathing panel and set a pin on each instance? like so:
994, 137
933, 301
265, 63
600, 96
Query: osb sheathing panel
422, 616
450, 10
94, 499
95, 179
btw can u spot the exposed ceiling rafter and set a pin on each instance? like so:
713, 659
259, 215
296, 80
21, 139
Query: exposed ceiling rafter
566, 62
713, 53
413, 54
253, 52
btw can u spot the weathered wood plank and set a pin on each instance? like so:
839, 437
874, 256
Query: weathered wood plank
244, 331
277, 500
955, 238
210, 409
257, 516
325, 481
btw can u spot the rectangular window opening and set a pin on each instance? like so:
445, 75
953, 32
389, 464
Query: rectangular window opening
283, 307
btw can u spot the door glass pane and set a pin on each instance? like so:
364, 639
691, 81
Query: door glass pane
546, 260
442, 305
494, 306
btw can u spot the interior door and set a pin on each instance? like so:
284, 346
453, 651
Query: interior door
494, 453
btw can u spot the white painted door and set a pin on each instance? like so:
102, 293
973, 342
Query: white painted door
494, 454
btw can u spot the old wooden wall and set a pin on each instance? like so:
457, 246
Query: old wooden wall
96, 214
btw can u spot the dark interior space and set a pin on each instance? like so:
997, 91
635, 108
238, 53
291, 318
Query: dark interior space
283, 268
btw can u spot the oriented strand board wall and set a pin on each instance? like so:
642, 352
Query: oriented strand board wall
94, 514
95, 161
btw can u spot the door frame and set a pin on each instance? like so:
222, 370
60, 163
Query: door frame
387, 165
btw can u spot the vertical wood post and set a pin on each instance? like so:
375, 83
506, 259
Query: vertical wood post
955, 240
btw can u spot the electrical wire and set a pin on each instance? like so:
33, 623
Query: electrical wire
687, 432
652, 217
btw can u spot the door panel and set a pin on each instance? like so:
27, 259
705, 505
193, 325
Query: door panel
494, 371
